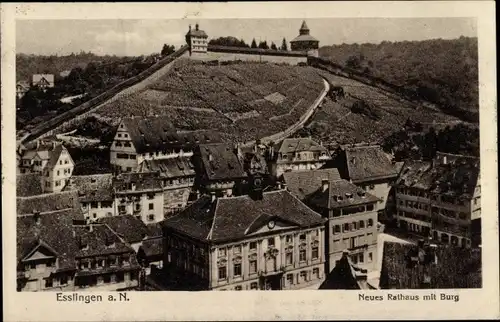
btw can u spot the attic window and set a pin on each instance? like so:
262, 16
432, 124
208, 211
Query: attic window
348, 195
93, 180
340, 198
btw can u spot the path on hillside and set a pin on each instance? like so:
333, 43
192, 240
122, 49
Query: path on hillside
303, 120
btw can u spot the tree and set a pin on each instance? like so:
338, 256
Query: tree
284, 45
167, 50
353, 62
254, 44
263, 45
228, 41
273, 46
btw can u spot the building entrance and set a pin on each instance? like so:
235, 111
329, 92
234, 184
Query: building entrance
272, 282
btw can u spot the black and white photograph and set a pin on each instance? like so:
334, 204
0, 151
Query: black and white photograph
249, 154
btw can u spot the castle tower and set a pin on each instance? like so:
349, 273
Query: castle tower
305, 42
197, 40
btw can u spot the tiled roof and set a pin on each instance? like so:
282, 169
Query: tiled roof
154, 230
304, 183
369, 162
231, 218
416, 174
152, 247
219, 162
157, 133
48, 202
96, 187
169, 168
455, 268
196, 32
128, 227
298, 145
39, 77
304, 38
28, 185
255, 51
458, 177
341, 193
96, 238
141, 180
54, 155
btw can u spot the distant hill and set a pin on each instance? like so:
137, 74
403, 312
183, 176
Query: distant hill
440, 71
27, 65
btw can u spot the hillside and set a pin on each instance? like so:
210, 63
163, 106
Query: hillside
367, 113
242, 101
444, 72
27, 65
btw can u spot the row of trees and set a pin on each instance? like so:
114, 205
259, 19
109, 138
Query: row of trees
414, 142
235, 42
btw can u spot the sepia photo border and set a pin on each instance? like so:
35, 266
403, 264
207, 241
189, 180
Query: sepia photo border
43, 306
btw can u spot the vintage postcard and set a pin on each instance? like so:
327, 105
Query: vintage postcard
314, 160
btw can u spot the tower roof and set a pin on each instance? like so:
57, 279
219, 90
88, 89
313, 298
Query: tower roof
304, 34
304, 30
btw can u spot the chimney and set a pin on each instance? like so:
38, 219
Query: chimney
213, 197
189, 27
197, 27
445, 161
133, 186
280, 186
36, 217
210, 157
37, 144
353, 160
90, 228
284, 186
53, 145
325, 183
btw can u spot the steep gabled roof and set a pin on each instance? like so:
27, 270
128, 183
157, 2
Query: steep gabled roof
141, 180
219, 162
341, 193
48, 202
169, 168
230, 218
369, 163
292, 145
345, 276
150, 134
95, 187
416, 174
128, 227
304, 183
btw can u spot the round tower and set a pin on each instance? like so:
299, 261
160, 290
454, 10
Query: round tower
305, 42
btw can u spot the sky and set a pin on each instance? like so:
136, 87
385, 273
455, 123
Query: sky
138, 37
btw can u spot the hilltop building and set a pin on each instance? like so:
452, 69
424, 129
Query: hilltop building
440, 198
294, 154
238, 243
21, 88
200, 49
368, 167
153, 138
305, 42
197, 40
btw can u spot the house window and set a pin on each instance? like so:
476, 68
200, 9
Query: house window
237, 269
302, 237
361, 224
253, 266
354, 226
254, 286
222, 252
302, 255
93, 205
371, 187
361, 257
270, 242
60, 163
289, 238
346, 227
237, 249
151, 217
127, 144
369, 207
151, 206
119, 135
118, 143
370, 222
336, 229
370, 257
289, 279
120, 277
129, 169
253, 245
222, 273
315, 253
289, 258
58, 172
66, 161
132, 156
107, 278
316, 272
151, 196
238, 288
303, 276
